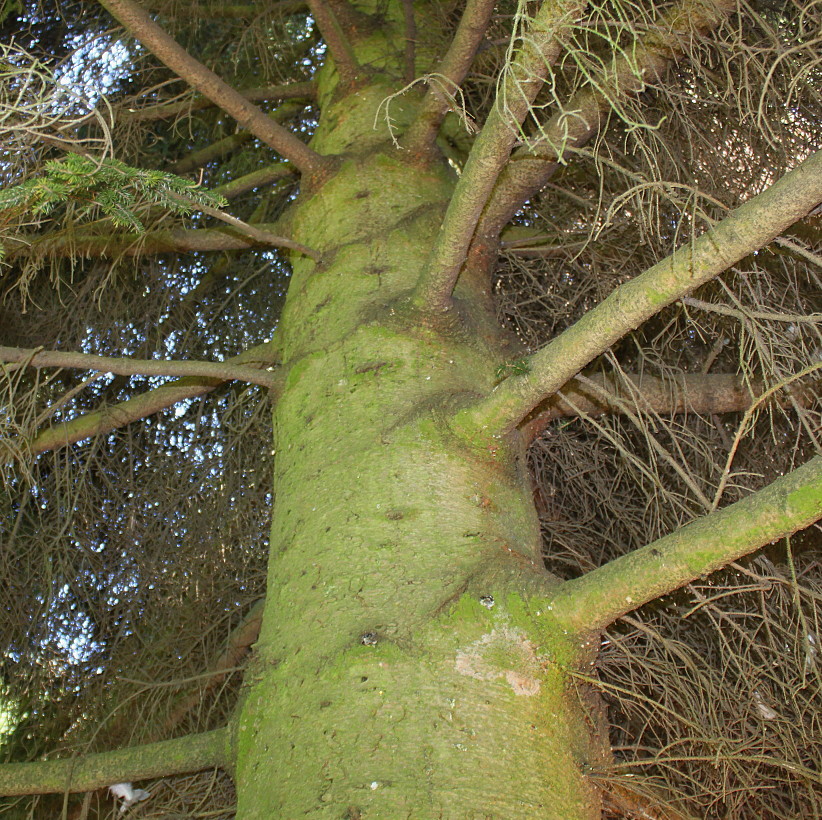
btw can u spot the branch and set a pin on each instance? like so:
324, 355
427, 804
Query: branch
259, 234
233, 11
743, 231
410, 55
192, 753
238, 645
163, 111
703, 394
169, 52
180, 240
452, 70
540, 46
601, 596
136, 367
226, 146
103, 421
580, 118
335, 38
262, 177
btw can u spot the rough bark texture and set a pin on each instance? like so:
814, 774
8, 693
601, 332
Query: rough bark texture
405, 666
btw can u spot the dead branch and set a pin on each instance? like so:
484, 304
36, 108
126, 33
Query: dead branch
134, 367
145, 404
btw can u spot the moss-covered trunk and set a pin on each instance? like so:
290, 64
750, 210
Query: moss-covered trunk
406, 666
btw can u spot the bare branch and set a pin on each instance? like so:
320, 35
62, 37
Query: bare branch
581, 117
135, 367
601, 596
410, 41
226, 146
235, 11
335, 38
192, 753
164, 111
90, 244
260, 235
702, 394
103, 421
743, 231
261, 178
540, 46
453, 69
168, 51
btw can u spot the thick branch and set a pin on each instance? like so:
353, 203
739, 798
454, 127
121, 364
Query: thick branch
541, 45
164, 111
450, 72
192, 753
136, 367
580, 118
168, 51
103, 421
597, 599
91, 244
743, 231
335, 38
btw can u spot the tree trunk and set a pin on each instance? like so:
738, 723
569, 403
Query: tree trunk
407, 665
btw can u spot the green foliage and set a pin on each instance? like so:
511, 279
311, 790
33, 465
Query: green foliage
116, 189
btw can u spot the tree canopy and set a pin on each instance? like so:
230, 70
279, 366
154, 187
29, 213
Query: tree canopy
152, 160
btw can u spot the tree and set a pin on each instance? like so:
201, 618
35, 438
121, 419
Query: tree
558, 224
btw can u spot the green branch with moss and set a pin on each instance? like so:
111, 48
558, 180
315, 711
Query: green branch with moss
745, 230
192, 753
785, 506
